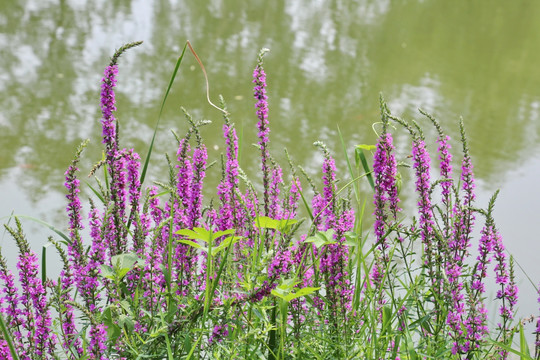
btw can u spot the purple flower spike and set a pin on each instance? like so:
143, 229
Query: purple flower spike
33, 298
422, 163
98, 342
108, 106
445, 165
259, 92
195, 205
385, 171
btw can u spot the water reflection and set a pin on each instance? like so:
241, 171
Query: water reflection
328, 62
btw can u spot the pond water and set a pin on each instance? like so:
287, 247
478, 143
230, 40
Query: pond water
327, 64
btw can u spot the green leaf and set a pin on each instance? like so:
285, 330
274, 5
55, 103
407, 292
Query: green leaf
322, 238
113, 330
107, 272
386, 319
122, 264
41, 222
171, 81
7, 337
193, 244
360, 157
44, 263
502, 345
126, 321
100, 197
192, 234
126, 261
269, 223
366, 147
302, 292
224, 244
523, 346
221, 233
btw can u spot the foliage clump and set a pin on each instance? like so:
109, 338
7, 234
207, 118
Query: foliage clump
165, 274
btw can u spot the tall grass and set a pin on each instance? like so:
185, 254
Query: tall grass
164, 273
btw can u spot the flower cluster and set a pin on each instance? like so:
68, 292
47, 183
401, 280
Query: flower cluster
162, 272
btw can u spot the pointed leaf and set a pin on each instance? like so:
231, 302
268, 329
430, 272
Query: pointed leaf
107, 272
266, 222
302, 292
219, 234
190, 234
193, 244
366, 147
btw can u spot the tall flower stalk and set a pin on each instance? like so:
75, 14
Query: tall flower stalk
259, 92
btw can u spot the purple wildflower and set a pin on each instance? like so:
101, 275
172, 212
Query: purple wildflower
108, 106
324, 206
75, 246
229, 211
153, 202
199, 163
219, 332
134, 184
9, 295
291, 204
281, 264
385, 171
98, 342
97, 257
421, 166
463, 213
445, 165
483, 259
259, 92
4, 350
275, 206
329, 189
33, 298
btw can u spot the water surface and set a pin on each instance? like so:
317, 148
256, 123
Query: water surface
328, 62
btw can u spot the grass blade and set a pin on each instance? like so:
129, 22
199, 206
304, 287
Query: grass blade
41, 222
175, 71
365, 165
7, 336
100, 197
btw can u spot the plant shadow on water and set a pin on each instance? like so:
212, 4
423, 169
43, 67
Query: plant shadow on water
165, 275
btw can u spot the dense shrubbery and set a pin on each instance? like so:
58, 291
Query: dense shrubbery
166, 275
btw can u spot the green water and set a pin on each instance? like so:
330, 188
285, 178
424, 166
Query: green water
328, 62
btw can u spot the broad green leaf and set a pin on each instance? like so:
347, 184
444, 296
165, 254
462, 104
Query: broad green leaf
280, 293
269, 223
107, 272
193, 244
125, 321
125, 305
126, 261
199, 233
113, 330
219, 234
322, 238
224, 244
302, 292
266, 222
195, 234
